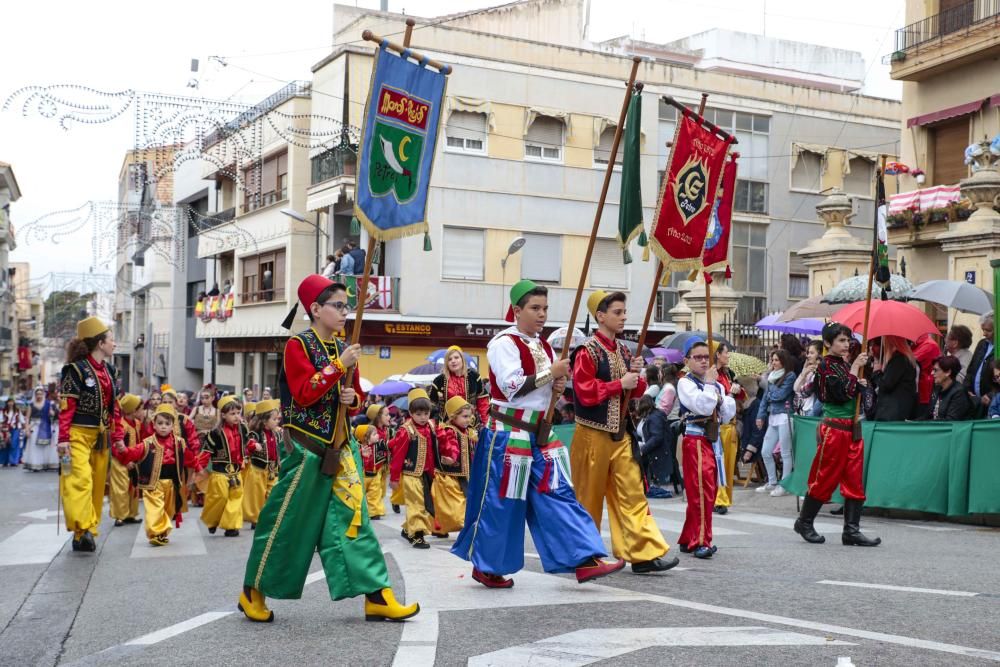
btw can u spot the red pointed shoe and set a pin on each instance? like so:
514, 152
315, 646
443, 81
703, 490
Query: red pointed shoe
596, 568
491, 580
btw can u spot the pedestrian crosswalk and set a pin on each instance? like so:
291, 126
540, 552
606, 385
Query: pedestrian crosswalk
188, 540
33, 544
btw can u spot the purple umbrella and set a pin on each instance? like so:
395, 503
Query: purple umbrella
672, 356
391, 388
807, 326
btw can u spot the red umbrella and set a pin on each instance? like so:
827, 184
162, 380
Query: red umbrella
888, 318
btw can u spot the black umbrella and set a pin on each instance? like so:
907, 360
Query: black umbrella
678, 340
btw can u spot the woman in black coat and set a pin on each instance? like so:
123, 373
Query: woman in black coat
896, 382
657, 448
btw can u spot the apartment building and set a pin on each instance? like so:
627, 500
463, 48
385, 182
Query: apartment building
9, 192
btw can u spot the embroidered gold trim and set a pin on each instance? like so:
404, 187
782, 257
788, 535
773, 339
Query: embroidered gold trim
418, 468
618, 368
277, 522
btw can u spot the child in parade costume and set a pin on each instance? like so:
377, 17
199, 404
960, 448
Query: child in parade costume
602, 459
89, 417
375, 455
728, 435
318, 503
704, 405
457, 379
262, 472
456, 444
205, 417
227, 447
159, 462
123, 494
414, 458
184, 427
520, 471
840, 456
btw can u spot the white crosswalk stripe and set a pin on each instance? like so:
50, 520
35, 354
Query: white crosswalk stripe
188, 540
37, 543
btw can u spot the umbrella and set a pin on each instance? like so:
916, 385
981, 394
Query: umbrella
888, 318
813, 307
676, 341
854, 289
366, 385
744, 364
672, 356
954, 294
391, 388
558, 337
804, 326
421, 375
437, 358
401, 403
632, 346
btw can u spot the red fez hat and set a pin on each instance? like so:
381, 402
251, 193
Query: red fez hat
309, 290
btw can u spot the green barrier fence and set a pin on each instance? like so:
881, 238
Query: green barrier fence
949, 468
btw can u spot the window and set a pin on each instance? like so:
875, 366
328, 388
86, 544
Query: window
749, 260
249, 359
463, 253
272, 361
667, 297
750, 197
541, 258
466, 131
753, 132
263, 277
860, 181
266, 182
544, 140
750, 308
807, 171
947, 147
226, 358
798, 277
603, 150
606, 266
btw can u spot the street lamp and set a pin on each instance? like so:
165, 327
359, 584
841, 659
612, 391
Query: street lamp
295, 215
514, 246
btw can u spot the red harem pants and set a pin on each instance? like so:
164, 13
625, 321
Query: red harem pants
840, 459
700, 482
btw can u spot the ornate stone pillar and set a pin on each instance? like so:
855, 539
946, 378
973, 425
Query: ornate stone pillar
724, 301
837, 254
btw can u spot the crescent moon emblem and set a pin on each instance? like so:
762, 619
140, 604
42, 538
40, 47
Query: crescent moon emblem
402, 145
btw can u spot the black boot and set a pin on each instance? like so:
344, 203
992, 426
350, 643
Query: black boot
852, 522
804, 524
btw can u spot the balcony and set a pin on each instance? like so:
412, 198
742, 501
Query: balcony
293, 89
382, 293
333, 177
938, 43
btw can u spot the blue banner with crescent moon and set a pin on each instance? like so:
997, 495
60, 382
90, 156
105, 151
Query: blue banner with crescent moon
402, 117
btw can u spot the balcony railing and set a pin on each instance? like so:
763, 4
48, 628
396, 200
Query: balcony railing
338, 161
964, 17
284, 94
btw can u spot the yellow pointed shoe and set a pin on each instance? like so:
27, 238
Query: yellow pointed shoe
254, 608
391, 610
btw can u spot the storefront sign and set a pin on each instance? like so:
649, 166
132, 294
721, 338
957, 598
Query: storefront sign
385, 352
407, 329
478, 331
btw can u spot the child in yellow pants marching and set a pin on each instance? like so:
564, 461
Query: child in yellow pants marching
123, 493
261, 474
227, 449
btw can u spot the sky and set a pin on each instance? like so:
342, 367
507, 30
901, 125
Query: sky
118, 46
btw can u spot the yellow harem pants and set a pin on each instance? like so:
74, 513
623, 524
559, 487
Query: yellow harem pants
396, 497
606, 470
160, 504
375, 491
83, 489
730, 446
256, 488
223, 503
449, 503
124, 500
417, 518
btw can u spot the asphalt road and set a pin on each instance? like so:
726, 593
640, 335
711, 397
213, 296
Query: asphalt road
929, 595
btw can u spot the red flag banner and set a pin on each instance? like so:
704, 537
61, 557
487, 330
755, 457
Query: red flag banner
686, 199
717, 239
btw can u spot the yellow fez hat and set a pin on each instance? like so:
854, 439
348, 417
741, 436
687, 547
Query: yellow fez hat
169, 391
263, 407
226, 400
454, 406
250, 408
165, 409
91, 327
129, 403
373, 410
594, 300
415, 394
360, 431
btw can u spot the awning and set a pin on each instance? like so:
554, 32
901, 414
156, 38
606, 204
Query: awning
818, 149
531, 113
952, 112
939, 196
864, 155
471, 105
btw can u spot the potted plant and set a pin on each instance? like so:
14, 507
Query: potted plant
919, 175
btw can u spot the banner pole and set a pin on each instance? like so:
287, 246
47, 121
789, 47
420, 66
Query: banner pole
868, 301
359, 314
597, 223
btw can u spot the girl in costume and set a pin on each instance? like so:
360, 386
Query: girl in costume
123, 493
40, 453
205, 417
262, 472
458, 380
375, 456
414, 458
13, 427
227, 449
456, 444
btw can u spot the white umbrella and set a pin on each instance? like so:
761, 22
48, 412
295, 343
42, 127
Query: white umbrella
954, 294
366, 384
558, 337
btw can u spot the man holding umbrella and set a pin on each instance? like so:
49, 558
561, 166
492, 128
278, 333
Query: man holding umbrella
977, 377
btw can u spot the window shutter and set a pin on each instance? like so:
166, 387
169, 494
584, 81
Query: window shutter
547, 132
950, 140
603, 151
861, 179
466, 125
606, 267
279, 275
806, 174
463, 253
269, 175
541, 258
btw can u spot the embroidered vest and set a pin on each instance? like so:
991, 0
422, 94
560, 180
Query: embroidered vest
416, 452
611, 366
262, 459
466, 442
218, 446
318, 419
93, 408
149, 468
527, 364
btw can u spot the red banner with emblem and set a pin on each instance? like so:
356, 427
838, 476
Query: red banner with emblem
717, 239
686, 200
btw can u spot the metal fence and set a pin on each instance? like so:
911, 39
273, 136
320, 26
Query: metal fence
747, 338
957, 19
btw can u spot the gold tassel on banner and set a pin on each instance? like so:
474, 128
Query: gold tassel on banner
645, 253
427, 242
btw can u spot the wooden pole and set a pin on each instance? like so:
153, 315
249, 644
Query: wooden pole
369, 36
597, 223
868, 303
362, 297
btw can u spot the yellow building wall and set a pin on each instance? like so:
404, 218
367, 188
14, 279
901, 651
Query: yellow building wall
359, 80
497, 242
406, 357
505, 141
579, 141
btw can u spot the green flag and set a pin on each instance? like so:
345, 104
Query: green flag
630, 207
